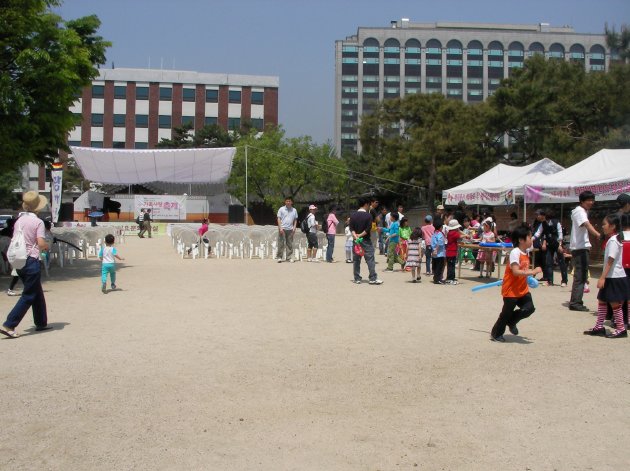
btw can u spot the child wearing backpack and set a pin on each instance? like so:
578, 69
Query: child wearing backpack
108, 255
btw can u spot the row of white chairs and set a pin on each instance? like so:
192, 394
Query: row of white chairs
238, 241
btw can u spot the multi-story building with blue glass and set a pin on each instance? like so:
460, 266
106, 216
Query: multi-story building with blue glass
464, 61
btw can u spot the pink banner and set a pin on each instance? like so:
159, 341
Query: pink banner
602, 191
493, 198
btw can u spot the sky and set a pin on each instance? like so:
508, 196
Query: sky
295, 39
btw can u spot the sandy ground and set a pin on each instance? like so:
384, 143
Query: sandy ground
249, 364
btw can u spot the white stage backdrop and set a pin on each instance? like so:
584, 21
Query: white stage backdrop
171, 207
132, 166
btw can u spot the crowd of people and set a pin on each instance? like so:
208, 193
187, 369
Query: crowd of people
435, 244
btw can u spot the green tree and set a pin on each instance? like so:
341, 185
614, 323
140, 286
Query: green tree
619, 42
9, 180
209, 136
432, 140
553, 108
278, 166
44, 63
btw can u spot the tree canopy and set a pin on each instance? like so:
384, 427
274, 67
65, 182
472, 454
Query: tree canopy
44, 63
209, 136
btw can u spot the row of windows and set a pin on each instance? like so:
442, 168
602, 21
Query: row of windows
479, 52
165, 121
166, 94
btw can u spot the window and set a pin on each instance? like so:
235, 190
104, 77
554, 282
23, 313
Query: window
142, 93
597, 67
258, 98
495, 52
412, 61
434, 79
475, 63
475, 92
119, 120
453, 50
597, 55
74, 143
234, 96
517, 65
142, 120
120, 91
370, 78
474, 52
434, 50
118, 145
392, 50
454, 62
495, 63
389, 60
97, 144
166, 93
164, 121
344, 78
97, 120
411, 91
474, 81
98, 91
348, 113
368, 90
515, 53
188, 120
392, 91
349, 101
370, 60
350, 49
350, 89
212, 96
455, 91
370, 49
257, 123
434, 61
142, 145
350, 60
413, 50
234, 123
454, 80
210, 120
392, 78
188, 94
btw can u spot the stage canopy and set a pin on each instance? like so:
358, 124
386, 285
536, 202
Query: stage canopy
501, 184
606, 173
134, 166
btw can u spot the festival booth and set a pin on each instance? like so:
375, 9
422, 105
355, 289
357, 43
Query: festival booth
501, 184
164, 169
606, 173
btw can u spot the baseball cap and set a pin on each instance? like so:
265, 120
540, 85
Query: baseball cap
312, 207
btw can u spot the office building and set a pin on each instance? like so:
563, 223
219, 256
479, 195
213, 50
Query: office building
464, 61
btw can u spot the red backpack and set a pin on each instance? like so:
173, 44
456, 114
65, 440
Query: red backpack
625, 254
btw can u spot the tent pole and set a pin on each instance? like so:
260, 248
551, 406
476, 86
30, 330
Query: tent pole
246, 195
524, 210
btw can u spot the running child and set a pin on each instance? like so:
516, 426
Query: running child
515, 290
108, 255
413, 255
613, 284
393, 237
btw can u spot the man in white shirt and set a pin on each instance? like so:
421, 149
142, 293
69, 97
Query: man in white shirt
580, 246
287, 222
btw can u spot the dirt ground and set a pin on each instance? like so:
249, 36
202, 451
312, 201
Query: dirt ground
254, 365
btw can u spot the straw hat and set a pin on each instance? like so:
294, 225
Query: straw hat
32, 201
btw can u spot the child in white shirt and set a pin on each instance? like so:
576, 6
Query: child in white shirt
108, 255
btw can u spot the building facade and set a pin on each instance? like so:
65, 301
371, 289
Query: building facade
136, 108
464, 61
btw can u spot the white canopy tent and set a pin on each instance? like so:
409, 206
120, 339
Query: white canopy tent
501, 184
606, 173
135, 166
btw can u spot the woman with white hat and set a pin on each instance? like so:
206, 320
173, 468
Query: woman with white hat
32, 229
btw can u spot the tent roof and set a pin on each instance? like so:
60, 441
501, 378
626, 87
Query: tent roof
504, 176
132, 166
607, 165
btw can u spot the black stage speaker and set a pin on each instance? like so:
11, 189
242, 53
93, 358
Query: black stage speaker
66, 212
236, 214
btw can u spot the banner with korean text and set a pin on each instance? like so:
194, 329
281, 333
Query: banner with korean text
490, 197
570, 194
56, 190
169, 207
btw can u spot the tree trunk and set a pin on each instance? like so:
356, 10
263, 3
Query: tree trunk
432, 183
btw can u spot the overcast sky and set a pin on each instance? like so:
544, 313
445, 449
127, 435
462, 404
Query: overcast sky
295, 39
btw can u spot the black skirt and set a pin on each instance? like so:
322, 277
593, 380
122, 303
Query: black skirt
615, 290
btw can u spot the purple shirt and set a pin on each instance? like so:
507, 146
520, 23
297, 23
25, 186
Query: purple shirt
32, 227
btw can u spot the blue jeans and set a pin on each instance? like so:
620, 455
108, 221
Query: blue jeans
32, 296
331, 247
369, 259
427, 257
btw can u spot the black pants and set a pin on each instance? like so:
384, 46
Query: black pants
510, 315
438, 269
450, 267
580, 275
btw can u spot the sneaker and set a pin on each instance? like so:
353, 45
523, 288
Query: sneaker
376, 282
356, 282
513, 329
563, 285
279, 260
348, 261
500, 338
10, 292
104, 288
587, 289
579, 307
113, 286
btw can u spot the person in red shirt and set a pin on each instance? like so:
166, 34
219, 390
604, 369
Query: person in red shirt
452, 237
514, 290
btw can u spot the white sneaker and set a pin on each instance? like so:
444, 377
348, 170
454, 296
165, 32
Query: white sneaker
10, 292
376, 282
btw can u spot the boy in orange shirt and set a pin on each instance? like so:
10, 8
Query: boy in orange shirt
515, 290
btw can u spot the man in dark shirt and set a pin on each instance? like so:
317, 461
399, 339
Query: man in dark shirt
360, 226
